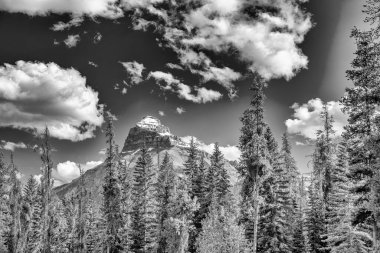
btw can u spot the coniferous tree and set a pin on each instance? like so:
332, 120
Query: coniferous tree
111, 193
315, 218
30, 198
360, 103
15, 209
80, 224
180, 216
255, 164
35, 234
220, 232
126, 180
191, 170
190, 165
46, 188
144, 210
165, 185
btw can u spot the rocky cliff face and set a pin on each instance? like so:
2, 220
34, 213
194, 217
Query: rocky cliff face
149, 132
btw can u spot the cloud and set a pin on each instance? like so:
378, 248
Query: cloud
92, 8
184, 91
38, 178
173, 66
306, 118
11, 146
180, 110
261, 33
161, 113
74, 22
67, 171
98, 37
34, 95
102, 151
230, 153
72, 40
93, 64
134, 70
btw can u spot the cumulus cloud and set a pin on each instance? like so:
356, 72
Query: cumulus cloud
11, 146
306, 118
264, 34
180, 110
168, 83
34, 95
65, 172
134, 70
92, 8
74, 22
161, 113
72, 40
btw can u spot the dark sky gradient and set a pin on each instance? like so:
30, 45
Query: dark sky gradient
327, 45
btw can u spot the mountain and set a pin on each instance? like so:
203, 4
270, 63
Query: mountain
159, 140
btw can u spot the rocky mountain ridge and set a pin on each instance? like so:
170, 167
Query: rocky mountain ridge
158, 139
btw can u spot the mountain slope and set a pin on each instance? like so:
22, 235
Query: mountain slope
158, 139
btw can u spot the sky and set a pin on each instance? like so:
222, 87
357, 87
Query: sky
62, 64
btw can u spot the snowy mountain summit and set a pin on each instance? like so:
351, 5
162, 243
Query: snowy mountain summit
153, 124
148, 132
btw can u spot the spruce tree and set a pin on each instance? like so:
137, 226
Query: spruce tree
144, 210
254, 161
80, 224
360, 104
111, 193
180, 215
4, 175
315, 219
190, 165
30, 199
126, 180
15, 209
165, 187
220, 232
46, 187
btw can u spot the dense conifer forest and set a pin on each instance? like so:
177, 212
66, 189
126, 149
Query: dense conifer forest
154, 208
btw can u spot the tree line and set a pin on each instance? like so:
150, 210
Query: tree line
160, 208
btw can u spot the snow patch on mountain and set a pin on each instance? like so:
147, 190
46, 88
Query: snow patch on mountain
153, 124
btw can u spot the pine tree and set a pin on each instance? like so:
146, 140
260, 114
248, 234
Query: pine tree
144, 210
255, 164
179, 221
165, 185
15, 209
4, 175
34, 243
190, 165
80, 224
222, 179
93, 227
200, 191
111, 193
360, 103
46, 187
30, 199
220, 232
126, 180
315, 219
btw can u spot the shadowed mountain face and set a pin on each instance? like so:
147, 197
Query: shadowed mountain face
158, 139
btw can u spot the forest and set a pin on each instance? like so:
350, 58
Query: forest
150, 208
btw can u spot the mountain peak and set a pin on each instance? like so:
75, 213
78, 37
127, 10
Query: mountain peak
153, 124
